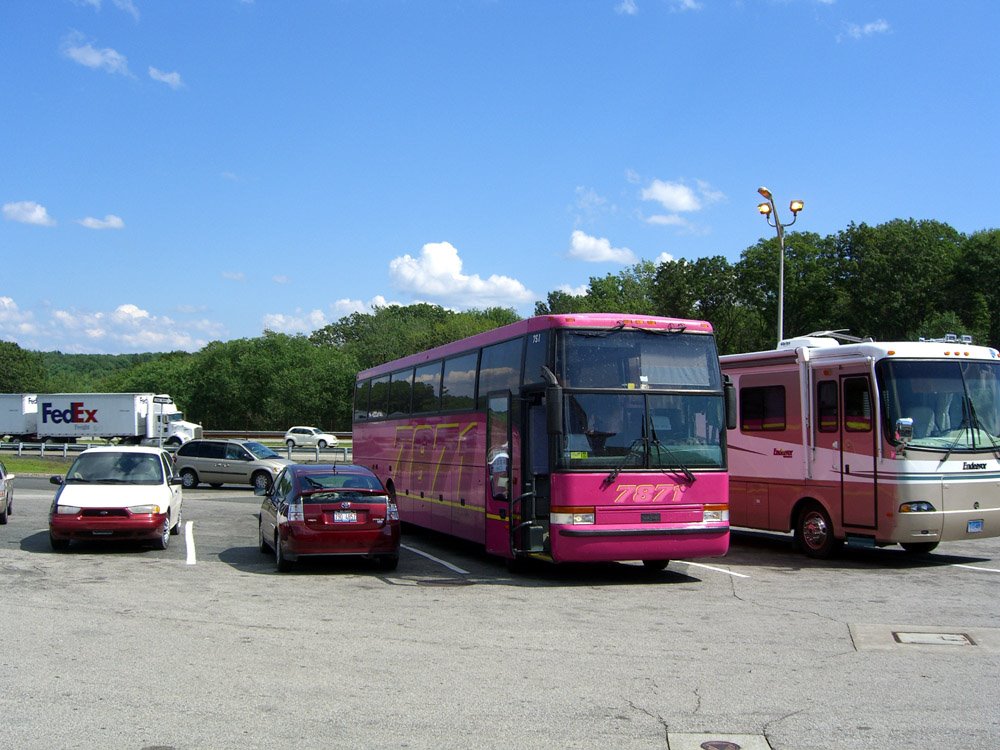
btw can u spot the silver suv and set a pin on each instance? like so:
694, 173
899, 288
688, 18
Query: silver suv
219, 462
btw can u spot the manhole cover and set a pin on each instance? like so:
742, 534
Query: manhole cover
719, 745
934, 639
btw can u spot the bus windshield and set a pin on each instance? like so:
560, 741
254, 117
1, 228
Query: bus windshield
637, 430
637, 358
954, 405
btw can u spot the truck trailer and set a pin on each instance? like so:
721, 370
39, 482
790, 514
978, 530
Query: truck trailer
130, 418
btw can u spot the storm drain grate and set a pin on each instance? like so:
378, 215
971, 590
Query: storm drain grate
934, 639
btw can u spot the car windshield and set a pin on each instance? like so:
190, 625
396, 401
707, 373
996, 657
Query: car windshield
260, 450
116, 468
321, 488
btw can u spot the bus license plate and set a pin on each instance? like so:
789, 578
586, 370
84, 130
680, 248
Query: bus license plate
345, 516
975, 527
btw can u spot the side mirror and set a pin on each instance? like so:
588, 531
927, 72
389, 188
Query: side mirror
904, 430
554, 409
58, 479
177, 480
729, 391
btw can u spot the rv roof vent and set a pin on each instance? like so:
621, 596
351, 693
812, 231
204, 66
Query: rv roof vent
810, 342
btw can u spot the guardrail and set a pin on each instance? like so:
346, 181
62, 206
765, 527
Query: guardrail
65, 449
43, 449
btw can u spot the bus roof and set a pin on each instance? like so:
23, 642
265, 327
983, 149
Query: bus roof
531, 325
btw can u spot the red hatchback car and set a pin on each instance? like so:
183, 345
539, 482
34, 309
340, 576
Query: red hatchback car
321, 510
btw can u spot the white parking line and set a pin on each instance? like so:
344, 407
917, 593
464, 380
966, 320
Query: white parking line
448, 565
712, 567
189, 541
974, 567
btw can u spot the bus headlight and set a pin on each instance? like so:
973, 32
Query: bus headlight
572, 515
715, 514
918, 506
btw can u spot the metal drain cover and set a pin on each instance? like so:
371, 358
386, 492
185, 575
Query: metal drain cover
934, 639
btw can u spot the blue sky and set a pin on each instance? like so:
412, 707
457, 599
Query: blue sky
177, 173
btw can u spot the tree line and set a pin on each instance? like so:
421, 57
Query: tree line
904, 279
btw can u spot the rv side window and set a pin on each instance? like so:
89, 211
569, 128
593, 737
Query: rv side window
762, 409
826, 406
857, 405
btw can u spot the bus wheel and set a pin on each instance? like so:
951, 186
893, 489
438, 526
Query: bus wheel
918, 548
655, 565
814, 532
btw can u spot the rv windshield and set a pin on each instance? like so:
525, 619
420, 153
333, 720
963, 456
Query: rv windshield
647, 431
954, 405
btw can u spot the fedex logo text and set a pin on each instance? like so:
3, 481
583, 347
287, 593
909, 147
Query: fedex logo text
75, 414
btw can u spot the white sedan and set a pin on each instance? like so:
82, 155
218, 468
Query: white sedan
310, 436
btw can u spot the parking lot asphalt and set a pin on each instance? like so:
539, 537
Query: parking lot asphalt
204, 645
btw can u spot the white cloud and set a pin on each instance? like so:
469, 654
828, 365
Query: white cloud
683, 5
300, 322
575, 291
105, 59
173, 80
598, 250
234, 276
128, 6
663, 258
437, 273
861, 31
13, 322
673, 196
28, 212
127, 327
679, 198
108, 222
280, 279
627, 8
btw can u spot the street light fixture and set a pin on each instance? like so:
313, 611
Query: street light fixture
767, 209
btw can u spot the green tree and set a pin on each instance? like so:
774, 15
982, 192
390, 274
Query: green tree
974, 289
21, 371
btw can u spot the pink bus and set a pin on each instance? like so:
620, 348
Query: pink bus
568, 438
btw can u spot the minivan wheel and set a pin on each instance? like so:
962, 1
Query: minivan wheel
261, 481
163, 540
189, 480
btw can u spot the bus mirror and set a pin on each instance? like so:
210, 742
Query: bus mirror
554, 409
730, 395
904, 430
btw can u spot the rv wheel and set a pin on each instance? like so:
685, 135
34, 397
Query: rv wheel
814, 532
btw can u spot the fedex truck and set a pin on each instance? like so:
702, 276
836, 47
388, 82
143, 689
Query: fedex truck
126, 417
18, 413
893, 443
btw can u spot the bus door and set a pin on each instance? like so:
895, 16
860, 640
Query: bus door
857, 456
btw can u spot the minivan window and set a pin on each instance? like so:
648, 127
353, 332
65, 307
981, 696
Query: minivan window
260, 450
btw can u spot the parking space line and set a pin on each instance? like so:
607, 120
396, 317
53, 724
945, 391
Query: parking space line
189, 541
448, 565
975, 567
712, 567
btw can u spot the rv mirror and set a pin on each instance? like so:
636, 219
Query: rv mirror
904, 430
730, 395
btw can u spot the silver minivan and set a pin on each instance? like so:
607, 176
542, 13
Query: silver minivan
219, 462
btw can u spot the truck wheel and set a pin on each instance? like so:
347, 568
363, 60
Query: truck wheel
174, 441
189, 479
814, 532
655, 566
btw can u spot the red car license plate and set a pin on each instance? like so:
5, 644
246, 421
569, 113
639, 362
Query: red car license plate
345, 516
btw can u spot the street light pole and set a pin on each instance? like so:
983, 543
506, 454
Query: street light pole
767, 209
